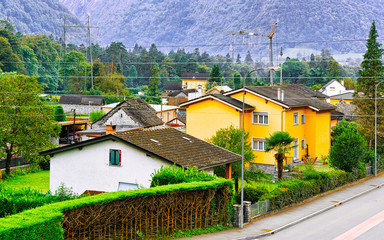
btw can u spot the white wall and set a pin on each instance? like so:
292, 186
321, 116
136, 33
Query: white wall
334, 89
88, 169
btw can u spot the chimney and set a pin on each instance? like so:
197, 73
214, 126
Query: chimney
278, 94
110, 129
282, 95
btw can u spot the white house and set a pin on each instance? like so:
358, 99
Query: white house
334, 87
124, 161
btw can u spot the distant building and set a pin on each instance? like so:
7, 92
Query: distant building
334, 87
198, 81
83, 104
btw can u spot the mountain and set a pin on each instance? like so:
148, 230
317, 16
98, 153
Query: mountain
189, 23
38, 16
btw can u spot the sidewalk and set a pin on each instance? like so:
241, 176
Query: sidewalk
293, 215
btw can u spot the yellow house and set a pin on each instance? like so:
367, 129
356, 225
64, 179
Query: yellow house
346, 98
295, 109
198, 81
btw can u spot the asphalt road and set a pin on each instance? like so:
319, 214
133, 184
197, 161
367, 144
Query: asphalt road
361, 218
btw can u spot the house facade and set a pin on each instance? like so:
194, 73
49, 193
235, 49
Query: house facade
295, 109
125, 161
334, 87
198, 81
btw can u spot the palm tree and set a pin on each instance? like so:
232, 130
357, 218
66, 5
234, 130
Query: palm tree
281, 143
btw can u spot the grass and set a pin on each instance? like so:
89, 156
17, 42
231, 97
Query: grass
323, 168
37, 181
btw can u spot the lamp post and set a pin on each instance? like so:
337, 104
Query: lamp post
277, 68
377, 84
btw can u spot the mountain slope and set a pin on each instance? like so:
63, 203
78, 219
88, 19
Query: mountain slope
37, 16
183, 23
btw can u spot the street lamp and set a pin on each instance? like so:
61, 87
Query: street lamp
277, 68
377, 84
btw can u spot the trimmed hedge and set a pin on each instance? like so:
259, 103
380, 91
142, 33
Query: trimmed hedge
296, 190
174, 175
45, 222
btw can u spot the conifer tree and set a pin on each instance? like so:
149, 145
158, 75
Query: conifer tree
371, 74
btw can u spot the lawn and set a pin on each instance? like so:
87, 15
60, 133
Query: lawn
38, 181
323, 168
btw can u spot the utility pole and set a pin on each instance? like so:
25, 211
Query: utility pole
88, 27
270, 36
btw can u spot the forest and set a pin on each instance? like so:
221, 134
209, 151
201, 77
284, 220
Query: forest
118, 71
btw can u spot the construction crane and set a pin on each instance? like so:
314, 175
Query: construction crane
249, 33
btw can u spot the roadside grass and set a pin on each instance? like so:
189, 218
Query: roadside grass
38, 181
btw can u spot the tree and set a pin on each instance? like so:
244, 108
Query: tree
72, 70
280, 142
230, 139
26, 123
237, 80
371, 73
8, 59
154, 82
348, 150
238, 59
248, 59
215, 76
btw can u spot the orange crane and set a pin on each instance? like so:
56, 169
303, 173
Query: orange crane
249, 33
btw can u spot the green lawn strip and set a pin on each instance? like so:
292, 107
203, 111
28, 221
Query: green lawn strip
323, 168
38, 181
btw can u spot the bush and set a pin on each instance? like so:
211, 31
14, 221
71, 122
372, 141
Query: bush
348, 150
295, 190
95, 115
252, 192
173, 175
60, 115
255, 174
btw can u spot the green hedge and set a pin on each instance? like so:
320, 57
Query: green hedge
174, 175
44, 222
296, 190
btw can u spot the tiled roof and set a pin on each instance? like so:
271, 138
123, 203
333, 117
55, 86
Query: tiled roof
137, 109
194, 76
346, 95
180, 148
82, 99
172, 85
166, 143
295, 95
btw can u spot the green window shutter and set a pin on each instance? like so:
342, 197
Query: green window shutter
117, 158
114, 157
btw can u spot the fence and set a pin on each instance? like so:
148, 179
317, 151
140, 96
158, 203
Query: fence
260, 207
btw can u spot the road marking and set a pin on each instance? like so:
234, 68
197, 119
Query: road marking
362, 227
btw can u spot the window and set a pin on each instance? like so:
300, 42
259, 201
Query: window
260, 118
114, 157
302, 143
332, 88
296, 149
258, 144
295, 118
302, 118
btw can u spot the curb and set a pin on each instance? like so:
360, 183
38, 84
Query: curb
311, 215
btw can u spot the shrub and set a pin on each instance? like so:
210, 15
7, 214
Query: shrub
348, 150
252, 192
255, 174
173, 175
60, 115
95, 115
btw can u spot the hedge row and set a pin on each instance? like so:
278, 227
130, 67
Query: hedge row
296, 190
45, 222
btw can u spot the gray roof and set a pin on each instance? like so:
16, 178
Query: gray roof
82, 100
194, 76
181, 92
168, 144
138, 110
346, 95
173, 85
295, 95
228, 100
